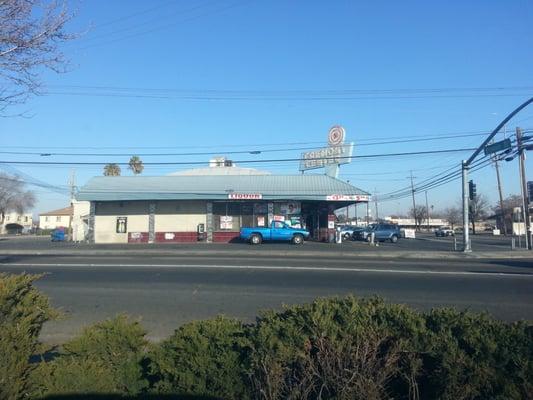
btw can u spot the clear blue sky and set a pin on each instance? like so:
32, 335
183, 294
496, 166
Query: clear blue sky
284, 46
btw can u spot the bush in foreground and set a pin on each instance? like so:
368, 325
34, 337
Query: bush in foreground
23, 311
105, 358
332, 348
203, 358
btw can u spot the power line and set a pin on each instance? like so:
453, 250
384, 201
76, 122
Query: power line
377, 140
253, 151
427, 152
162, 27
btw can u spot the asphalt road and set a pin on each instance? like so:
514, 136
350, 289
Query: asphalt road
168, 291
424, 242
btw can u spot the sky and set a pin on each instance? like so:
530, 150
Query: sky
221, 76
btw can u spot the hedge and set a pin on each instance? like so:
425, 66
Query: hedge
332, 348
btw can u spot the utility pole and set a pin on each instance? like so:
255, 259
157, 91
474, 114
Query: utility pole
376, 204
523, 186
367, 214
501, 195
427, 209
466, 232
413, 194
72, 184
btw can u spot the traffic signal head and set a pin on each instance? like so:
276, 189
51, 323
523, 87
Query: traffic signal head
471, 190
530, 191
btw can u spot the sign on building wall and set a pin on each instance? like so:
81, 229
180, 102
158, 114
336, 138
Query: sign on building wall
344, 197
226, 222
290, 208
245, 196
335, 154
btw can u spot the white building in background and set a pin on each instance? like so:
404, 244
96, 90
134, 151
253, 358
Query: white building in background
55, 219
16, 223
80, 221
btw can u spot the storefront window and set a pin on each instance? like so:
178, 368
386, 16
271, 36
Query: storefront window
231, 216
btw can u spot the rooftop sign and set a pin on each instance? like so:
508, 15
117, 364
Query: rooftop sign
335, 154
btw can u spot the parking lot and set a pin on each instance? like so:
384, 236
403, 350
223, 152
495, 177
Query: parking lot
424, 242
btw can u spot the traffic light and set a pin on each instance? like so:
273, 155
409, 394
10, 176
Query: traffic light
530, 191
471, 190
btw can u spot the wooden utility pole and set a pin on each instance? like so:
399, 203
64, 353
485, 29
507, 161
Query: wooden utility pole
427, 209
376, 204
72, 184
413, 194
523, 186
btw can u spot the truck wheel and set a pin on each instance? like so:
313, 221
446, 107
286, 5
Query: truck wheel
297, 239
394, 238
256, 239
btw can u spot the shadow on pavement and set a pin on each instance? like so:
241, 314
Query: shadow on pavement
528, 263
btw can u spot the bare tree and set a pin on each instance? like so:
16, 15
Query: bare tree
30, 34
477, 210
136, 165
14, 196
112, 170
506, 217
453, 215
418, 213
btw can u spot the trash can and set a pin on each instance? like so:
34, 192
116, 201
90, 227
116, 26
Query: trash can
58, 235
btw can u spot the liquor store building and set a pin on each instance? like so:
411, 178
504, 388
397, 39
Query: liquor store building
211, 208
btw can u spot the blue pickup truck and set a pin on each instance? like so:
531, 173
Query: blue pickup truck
277, 231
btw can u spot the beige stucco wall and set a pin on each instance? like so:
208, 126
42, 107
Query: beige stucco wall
179, 216
170, 216
105, 221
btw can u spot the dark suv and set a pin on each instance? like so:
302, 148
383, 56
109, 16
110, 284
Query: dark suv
381, 232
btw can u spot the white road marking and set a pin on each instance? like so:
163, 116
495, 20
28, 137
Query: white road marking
273, 268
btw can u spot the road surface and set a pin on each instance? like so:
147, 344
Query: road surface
168, 291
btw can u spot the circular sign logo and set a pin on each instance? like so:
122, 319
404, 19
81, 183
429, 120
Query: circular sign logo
336, 135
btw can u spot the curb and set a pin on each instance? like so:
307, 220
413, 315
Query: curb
268, 253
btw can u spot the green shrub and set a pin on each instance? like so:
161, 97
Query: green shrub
23, 311
204, 358
473, 356
342, 348
105, 358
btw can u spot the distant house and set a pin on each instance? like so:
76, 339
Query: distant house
55, 219
14, 223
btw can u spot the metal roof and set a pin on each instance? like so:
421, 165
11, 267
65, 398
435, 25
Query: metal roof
271, 187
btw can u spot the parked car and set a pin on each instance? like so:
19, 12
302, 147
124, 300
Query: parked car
347, 231
381, 232
444, 231
277, 231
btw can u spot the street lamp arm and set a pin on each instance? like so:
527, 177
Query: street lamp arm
497, 129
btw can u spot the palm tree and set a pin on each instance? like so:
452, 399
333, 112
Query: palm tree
112, 170
136, 165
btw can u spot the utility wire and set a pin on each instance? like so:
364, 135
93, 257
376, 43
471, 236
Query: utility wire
252, 151
242, 161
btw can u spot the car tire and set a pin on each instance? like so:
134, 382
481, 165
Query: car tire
297, 239
394, 239
256, 239
346, 236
